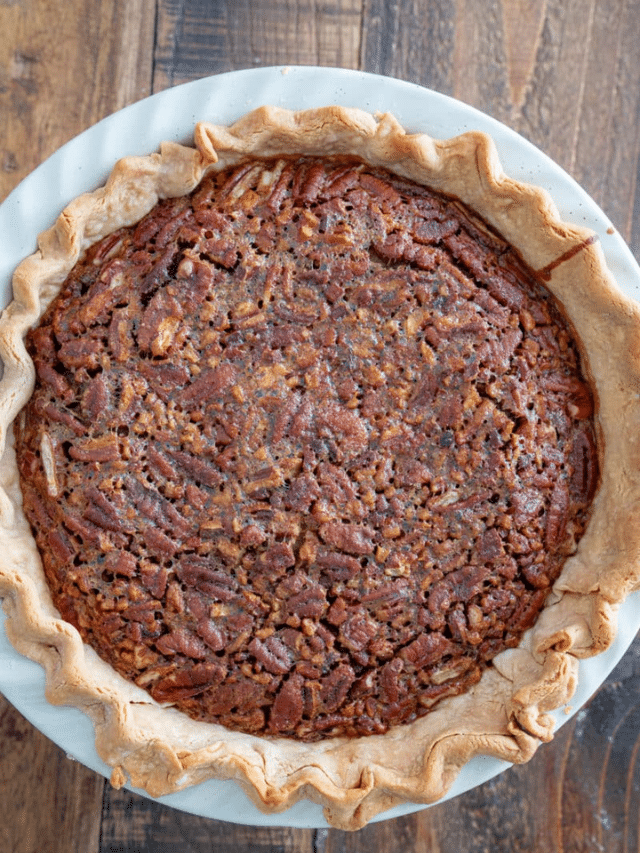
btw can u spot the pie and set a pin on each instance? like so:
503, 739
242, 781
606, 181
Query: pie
321, 450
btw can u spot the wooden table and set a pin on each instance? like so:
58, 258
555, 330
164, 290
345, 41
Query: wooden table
565, 74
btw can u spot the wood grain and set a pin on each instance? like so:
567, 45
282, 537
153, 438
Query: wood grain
50, 804
148, 826
565, 74
65, 66
198, 38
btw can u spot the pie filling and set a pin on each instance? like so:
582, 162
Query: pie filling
307, 449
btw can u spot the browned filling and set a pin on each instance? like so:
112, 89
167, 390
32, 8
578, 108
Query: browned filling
307, 449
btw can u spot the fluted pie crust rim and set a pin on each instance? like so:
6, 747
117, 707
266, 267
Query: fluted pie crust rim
506, 715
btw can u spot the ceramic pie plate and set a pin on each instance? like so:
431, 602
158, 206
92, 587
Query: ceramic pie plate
171, 115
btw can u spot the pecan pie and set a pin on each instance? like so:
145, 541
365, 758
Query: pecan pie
312, 446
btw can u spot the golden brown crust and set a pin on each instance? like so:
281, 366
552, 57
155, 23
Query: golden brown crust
506, 714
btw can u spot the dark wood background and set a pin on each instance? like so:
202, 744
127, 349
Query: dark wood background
565, 74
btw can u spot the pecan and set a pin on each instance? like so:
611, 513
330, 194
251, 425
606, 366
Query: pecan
557, 515
280, 187
272, 654
103, 448
288, 705
120, 337
352, 538
121, 563
309, 187
142, 612
102, 512
434, 230
302, 419
304, 316
87, 531
395, 592
198, 572
213, 636
583, 458
489, 547
393, 247
184, 684
62, 416
96, 399
505, 292
159, 323
357, 630
537, 575
338, 566
278, 557
83, 352
337, 613
160, 463
334, 419
335, 687
252, 536
200, 469
390, 680
183, 642
159, 543
311, 602
156, 508
302, 492
427, 649
527, 504
466, 582
165, 377
381, 190
211, 384
335, 483
61, 546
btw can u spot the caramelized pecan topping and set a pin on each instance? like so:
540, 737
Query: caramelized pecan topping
308, 448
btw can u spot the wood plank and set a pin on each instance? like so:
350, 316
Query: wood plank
66, 66
196, 38
49, 803
132, 823
608, 144
411, 41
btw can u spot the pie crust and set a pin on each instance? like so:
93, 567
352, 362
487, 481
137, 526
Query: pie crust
506, 714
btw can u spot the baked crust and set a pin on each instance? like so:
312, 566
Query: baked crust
505, 714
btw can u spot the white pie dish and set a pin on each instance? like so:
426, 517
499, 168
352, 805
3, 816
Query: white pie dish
171, 115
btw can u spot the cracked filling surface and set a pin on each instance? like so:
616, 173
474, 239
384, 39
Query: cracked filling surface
307, 449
